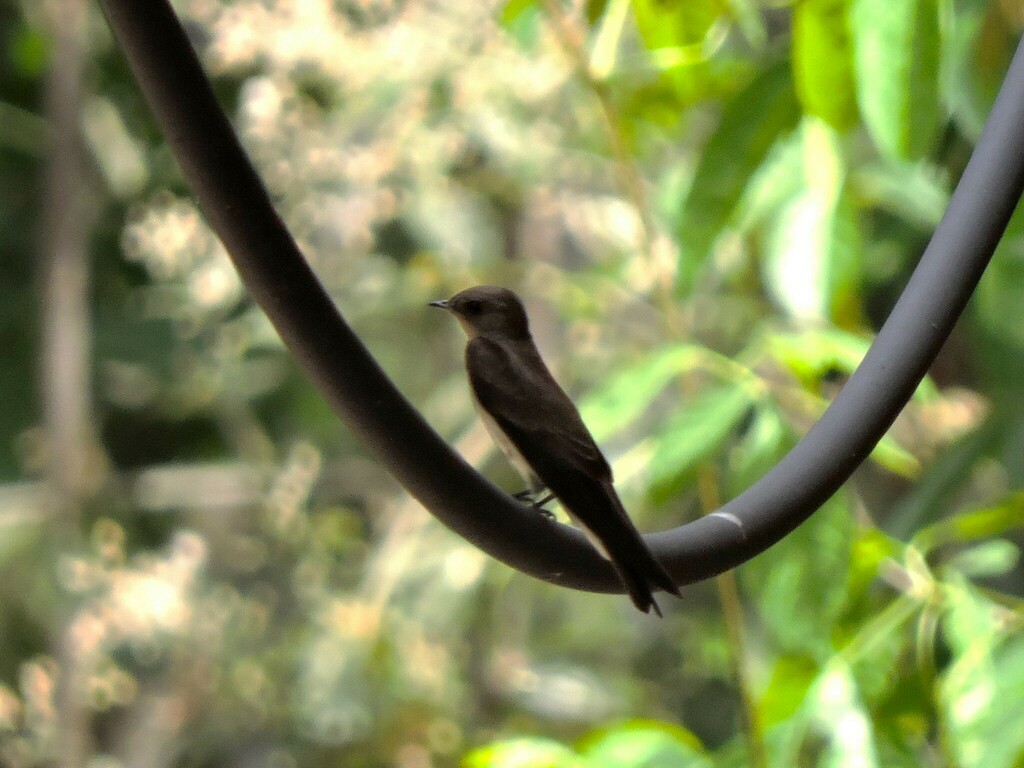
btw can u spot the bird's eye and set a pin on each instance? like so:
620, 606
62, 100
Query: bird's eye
473, 307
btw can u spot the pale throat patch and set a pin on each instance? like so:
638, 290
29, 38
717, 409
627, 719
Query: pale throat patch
471, 332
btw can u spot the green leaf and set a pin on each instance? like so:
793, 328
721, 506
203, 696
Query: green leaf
513, 9
812, 562
624, 397
896, 61
877, 651
521, 19
917, 192
645, 744
965, 92
750, 124
839, 712
1003, 518
673, 23
980, 690
971, 622
693, 434
991, 736
1000, 293
870, 549
775, 182
810, 355
524, 753
758, 449
797, 210
845, 261
823, 61
29, 52
992, 558
594, 10
894, 457
680, 37
801, 258
787, 688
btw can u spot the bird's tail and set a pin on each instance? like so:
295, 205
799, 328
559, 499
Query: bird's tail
623, 545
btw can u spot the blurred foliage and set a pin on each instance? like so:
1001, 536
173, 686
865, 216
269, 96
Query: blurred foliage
710, 205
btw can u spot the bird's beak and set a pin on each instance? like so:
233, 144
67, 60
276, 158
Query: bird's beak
441, 304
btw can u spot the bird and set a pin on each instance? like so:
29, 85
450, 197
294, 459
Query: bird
539, 429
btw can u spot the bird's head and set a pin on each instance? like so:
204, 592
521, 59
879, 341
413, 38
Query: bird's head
487, 310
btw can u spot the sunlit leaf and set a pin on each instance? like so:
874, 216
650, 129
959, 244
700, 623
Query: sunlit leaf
750, 19
513, 9
666, 24
918, 192
750, 124
964, 92
524, 753
991, 558
876, 654
823, 61
692, 434
786, 691
894, 457
840, 714
645, 744
980, 688
812, 354
989, 522
683, 35
896, 55
624, 397
870, 548
521, 19
812, 561
800, 264
990, 736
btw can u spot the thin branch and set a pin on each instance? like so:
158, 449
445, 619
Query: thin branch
732, 612
65, 380
66, 327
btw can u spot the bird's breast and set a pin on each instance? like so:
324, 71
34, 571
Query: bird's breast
522, 466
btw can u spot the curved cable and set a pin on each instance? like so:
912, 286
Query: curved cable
238, 207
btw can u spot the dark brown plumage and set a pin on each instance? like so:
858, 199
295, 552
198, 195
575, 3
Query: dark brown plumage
539, 428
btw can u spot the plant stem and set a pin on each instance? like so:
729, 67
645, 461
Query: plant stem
732, 611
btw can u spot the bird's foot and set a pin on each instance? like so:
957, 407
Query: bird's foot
537, 504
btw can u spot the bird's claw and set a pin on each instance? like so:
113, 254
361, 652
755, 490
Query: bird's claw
538, 504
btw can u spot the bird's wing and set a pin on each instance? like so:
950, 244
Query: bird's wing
517, 390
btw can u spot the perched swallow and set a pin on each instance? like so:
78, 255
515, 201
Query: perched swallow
538, 428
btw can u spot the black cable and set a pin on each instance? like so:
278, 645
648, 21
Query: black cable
239, 209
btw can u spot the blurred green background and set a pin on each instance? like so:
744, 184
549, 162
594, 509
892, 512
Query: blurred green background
711, 206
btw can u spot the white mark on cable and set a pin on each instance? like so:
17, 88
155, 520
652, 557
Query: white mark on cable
732, 519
